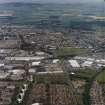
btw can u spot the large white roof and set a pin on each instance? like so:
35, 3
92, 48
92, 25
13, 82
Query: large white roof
74, 63
84, 58
100, 61
25, 58
36, 104
36, 63
32, 70
1, 64
3, 75
87, 64
49, 72
55, 60
17, 71
40, 53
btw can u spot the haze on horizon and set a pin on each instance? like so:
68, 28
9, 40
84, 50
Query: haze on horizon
53, 1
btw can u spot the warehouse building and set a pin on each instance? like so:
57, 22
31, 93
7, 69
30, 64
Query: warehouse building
74, 64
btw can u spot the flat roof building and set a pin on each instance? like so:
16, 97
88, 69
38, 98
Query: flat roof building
36, 63
74, 63
87, 64
25, 58
36, 104
55, 60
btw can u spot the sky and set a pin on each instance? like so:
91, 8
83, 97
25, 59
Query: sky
56, 1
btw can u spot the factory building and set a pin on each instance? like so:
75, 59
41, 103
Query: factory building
87, 64
36, 104
24, 58
74, 64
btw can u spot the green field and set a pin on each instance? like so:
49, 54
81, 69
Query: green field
101, 77
86, 74
70, 51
